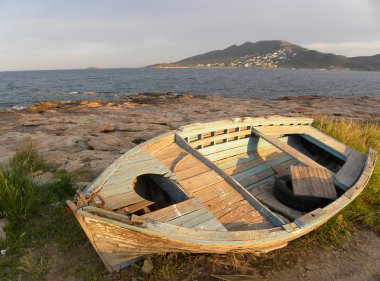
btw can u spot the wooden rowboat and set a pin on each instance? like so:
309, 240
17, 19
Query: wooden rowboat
211, 188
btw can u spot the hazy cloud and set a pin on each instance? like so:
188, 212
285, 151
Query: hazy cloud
74, 34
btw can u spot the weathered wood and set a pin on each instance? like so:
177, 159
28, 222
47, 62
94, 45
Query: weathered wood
288, 149
225, 136
160, 144
247, 196
261, 167
173, 189
119, 240
175, 210
139, 206
264, 193
350, 171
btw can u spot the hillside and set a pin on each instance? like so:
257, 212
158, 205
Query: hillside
276, 54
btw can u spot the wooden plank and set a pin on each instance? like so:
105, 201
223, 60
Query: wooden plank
350, 171
139, 205
265, 194
253, 163
221, 202
212, 224
169, 151
201, 181
181, 220
261, 167
160, 144
199, 168
215, 190
236, 213
122, 200
309, 181
208, 140
256, 177
185, 163
288, 149
207, 216
269, 180
176, 210
276, 221
274, 130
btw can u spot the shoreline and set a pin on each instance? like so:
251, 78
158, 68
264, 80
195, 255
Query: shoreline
162, 97
90, 135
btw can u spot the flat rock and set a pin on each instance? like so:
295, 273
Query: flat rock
104, 142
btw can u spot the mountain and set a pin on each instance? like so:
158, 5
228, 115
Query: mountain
276, 54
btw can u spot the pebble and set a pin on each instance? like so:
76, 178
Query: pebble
147, 267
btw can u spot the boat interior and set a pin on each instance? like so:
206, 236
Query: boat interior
222, 177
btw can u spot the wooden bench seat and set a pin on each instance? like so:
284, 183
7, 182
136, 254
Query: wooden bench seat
310, 181
350, 171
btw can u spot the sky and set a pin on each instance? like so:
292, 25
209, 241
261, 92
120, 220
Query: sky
57, 34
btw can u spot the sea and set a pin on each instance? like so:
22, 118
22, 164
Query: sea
19, 89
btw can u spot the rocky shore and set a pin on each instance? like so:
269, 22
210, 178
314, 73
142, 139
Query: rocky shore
84, 137
89, 135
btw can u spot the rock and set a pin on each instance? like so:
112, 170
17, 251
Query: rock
147, 267
3, 224
43, 178
72, 166
45, 105
312, 267
104, 142
105, 128
93, 104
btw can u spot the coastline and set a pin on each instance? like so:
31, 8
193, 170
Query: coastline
90, 135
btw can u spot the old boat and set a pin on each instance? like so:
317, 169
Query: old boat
211, 188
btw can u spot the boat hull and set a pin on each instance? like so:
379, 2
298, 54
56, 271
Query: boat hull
120, 241
119, 244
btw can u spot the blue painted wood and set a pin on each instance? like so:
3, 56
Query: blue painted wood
274, 219
261, 167
320, 144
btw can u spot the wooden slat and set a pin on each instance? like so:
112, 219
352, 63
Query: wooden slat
122, 200
169, 151
158, 145
232, 182
311, 181
261, 167
288, 149
175, 210
350, 171
201, 181
139, 205
239, 168
329, 141
256, 177
265, 194
208, 140
199, 168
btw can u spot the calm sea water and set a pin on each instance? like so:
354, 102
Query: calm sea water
24, 88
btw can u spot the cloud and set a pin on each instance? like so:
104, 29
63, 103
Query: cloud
70, 34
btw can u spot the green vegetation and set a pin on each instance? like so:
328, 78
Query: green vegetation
37, 217
365, 210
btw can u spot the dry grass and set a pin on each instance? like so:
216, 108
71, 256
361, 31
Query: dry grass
365, 210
